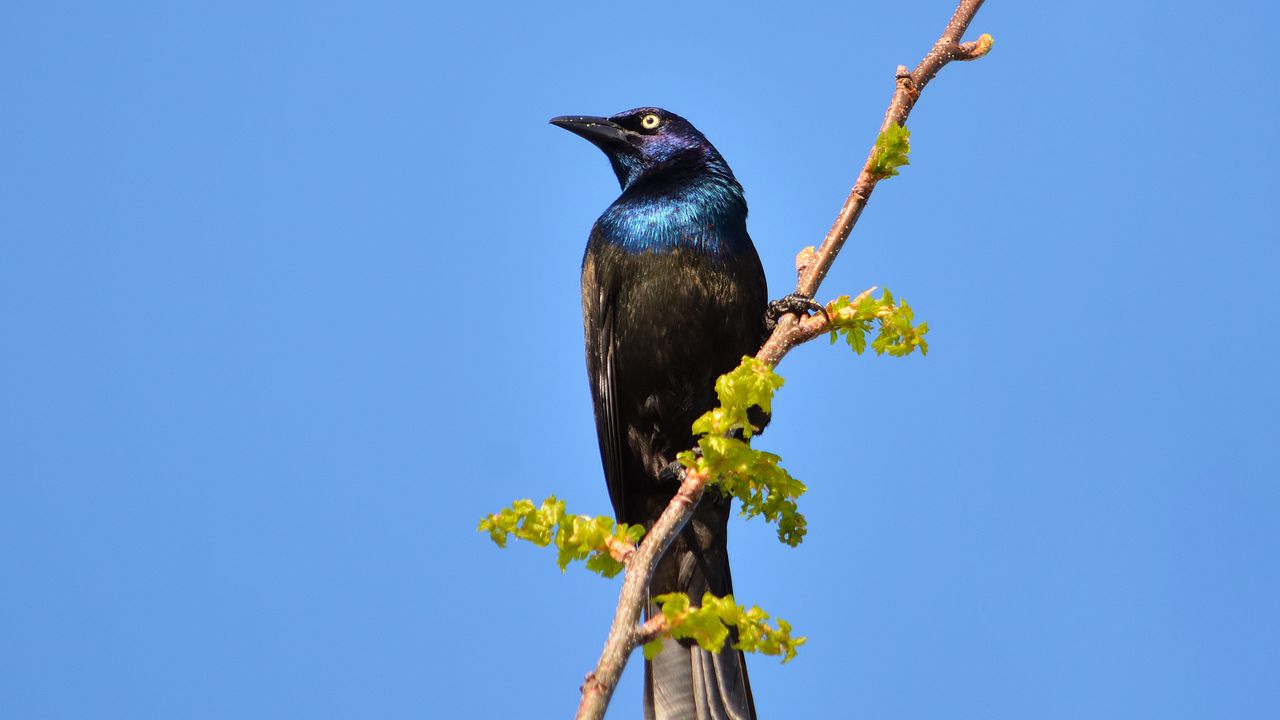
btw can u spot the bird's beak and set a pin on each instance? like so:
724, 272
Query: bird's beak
603, 132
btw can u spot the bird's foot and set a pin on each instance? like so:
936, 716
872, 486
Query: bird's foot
673, 472
793, 304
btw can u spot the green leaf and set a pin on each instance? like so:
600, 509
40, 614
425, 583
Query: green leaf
749, 385
577, 537
897, 336
652, 648
709, 625
732, 465
890, 152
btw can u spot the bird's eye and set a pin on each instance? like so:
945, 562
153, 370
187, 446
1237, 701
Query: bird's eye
650, 121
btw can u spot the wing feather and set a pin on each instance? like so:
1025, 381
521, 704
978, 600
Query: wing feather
598, 306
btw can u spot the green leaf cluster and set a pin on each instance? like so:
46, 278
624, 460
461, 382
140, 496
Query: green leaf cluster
898, 335
751, 384
752, 476
755, 478
577, 537
709, 625
890, 153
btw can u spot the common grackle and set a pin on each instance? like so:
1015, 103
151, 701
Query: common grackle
673, 295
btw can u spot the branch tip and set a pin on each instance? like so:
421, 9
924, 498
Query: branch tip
805, 258
976, 49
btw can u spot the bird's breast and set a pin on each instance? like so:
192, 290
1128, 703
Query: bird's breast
703, 216
672, 303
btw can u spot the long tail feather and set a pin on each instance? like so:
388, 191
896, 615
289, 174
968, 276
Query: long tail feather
685, 682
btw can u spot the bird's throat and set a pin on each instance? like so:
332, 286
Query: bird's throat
705, 213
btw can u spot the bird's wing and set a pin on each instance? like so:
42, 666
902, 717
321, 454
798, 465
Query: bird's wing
598, 306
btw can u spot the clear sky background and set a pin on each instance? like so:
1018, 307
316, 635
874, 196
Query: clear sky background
289, 299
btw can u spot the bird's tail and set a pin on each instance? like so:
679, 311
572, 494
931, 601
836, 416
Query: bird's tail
685, 682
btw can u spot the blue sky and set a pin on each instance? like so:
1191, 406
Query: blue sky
289, 298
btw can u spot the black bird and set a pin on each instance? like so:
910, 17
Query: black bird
673, 295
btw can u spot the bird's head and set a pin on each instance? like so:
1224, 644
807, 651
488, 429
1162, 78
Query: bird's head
646, 142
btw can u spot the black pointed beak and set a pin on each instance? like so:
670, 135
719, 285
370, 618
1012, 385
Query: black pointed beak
603, 132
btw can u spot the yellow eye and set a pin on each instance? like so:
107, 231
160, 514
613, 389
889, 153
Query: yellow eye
650, 121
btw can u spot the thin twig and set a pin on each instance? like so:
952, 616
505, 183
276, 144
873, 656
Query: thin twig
652, 629
907, 91
626, 633
620, 549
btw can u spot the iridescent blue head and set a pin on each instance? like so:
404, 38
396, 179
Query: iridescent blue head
647, 142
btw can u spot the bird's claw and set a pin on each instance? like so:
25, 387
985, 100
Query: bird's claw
793, 304
673, 472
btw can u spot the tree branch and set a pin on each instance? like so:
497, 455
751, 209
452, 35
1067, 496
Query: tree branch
626, 633
790, 331
599, 685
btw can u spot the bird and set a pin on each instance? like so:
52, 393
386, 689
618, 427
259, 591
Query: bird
673, 296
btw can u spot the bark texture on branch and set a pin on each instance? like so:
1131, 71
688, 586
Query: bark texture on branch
626, 632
